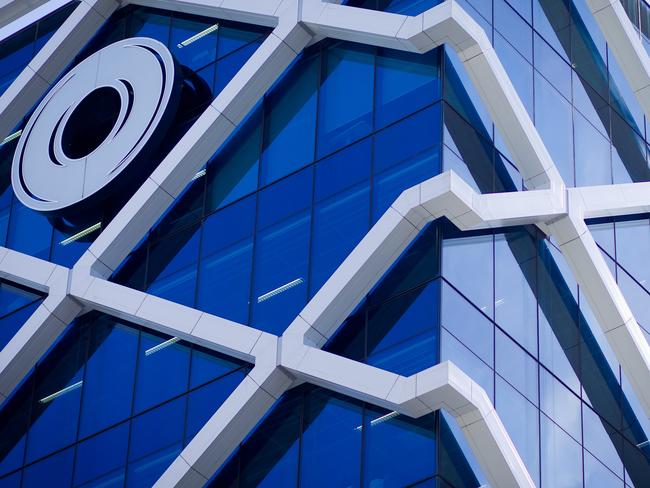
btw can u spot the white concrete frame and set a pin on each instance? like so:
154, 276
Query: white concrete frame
281, 362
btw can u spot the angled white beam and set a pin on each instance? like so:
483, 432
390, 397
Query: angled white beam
16, 15
612, 200
47, 65
624, 41
195, 148
232, 421
449, 24
445, 195
47, 322
442, 386
191, 325
258, 12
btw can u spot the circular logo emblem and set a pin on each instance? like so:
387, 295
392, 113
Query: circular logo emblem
94, 123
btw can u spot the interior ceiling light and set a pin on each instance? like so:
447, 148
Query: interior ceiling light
198, 36
11, 137
81, 234
279, 290
57, 394
162, 345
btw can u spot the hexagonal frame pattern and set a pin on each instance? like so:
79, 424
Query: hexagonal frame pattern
296, 356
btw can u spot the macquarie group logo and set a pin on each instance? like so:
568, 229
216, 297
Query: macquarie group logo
93, 134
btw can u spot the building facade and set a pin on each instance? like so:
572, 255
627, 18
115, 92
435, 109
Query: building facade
385, 243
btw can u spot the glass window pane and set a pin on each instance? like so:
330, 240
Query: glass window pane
290, 123
331, 442
345, 109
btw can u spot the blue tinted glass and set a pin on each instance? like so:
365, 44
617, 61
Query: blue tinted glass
402, 332
55, 405
162, 373
157, 429
12, 298
29, 232
17, 51
345, 113
331, 441
281, 252
405, 83
398, 451
341, 213
207, 366
233, 37
269, 458
228, 67
194, 54
205, 401
233, 172
58, 466
226, 263
101, 455
290, 123
146, 471
149, 23
110, 375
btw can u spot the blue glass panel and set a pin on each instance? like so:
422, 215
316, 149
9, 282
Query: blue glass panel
233, 172
161, 374
515, 305
58, 466
149, 23
13, 297
290, 123
281, 252
398, 451
269, 458
228, 66
156, 429
234, 36
561, 457
110, 375
29, 232
331, 441
208, 365
471, 256
204, 402
521, 420
55, 405
171, 273
341, 213
405, 83
146, 471
17, 51
226, 263
345, 108
402, 332
198, 53
101, 455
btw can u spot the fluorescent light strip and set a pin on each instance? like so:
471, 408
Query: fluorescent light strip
643, 444
162, 345
198, 175
198, 36
380, 420
81, 234
11, 137
279, 290
65, 390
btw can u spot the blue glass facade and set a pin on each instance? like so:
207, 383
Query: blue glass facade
345, 130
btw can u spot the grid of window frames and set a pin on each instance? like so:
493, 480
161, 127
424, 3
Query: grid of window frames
337, 139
